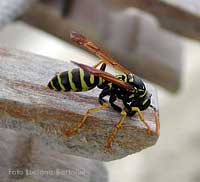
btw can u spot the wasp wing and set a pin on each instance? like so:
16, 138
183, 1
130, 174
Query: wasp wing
92, 47
106, 76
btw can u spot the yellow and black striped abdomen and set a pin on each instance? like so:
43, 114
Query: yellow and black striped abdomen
75, 80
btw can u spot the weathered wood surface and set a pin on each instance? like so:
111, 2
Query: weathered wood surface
26, 158
28, 106
143, 46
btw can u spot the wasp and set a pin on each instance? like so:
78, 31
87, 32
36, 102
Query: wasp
127, 87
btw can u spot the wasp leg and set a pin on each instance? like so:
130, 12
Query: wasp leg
156, 119
100, 62
136, 109
82, 122
115, 130
157, 123
92, 47
104, 92
112, 99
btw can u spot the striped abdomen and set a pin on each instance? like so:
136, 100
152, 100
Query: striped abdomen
74, 80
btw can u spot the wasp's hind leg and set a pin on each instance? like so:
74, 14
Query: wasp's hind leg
100, 62
82, 122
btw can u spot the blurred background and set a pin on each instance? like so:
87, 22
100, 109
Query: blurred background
157, 40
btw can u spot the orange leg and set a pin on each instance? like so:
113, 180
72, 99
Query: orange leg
136, 109
100, 62
82, 122
157, 123
92, 47
156, 119
115, 130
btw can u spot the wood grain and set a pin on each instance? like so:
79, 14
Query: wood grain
28, 106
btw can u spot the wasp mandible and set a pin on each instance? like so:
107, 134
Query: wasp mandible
126, 87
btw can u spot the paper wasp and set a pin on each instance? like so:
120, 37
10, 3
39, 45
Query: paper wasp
126, 87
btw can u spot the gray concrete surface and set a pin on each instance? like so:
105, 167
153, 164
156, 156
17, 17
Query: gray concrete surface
176, 155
